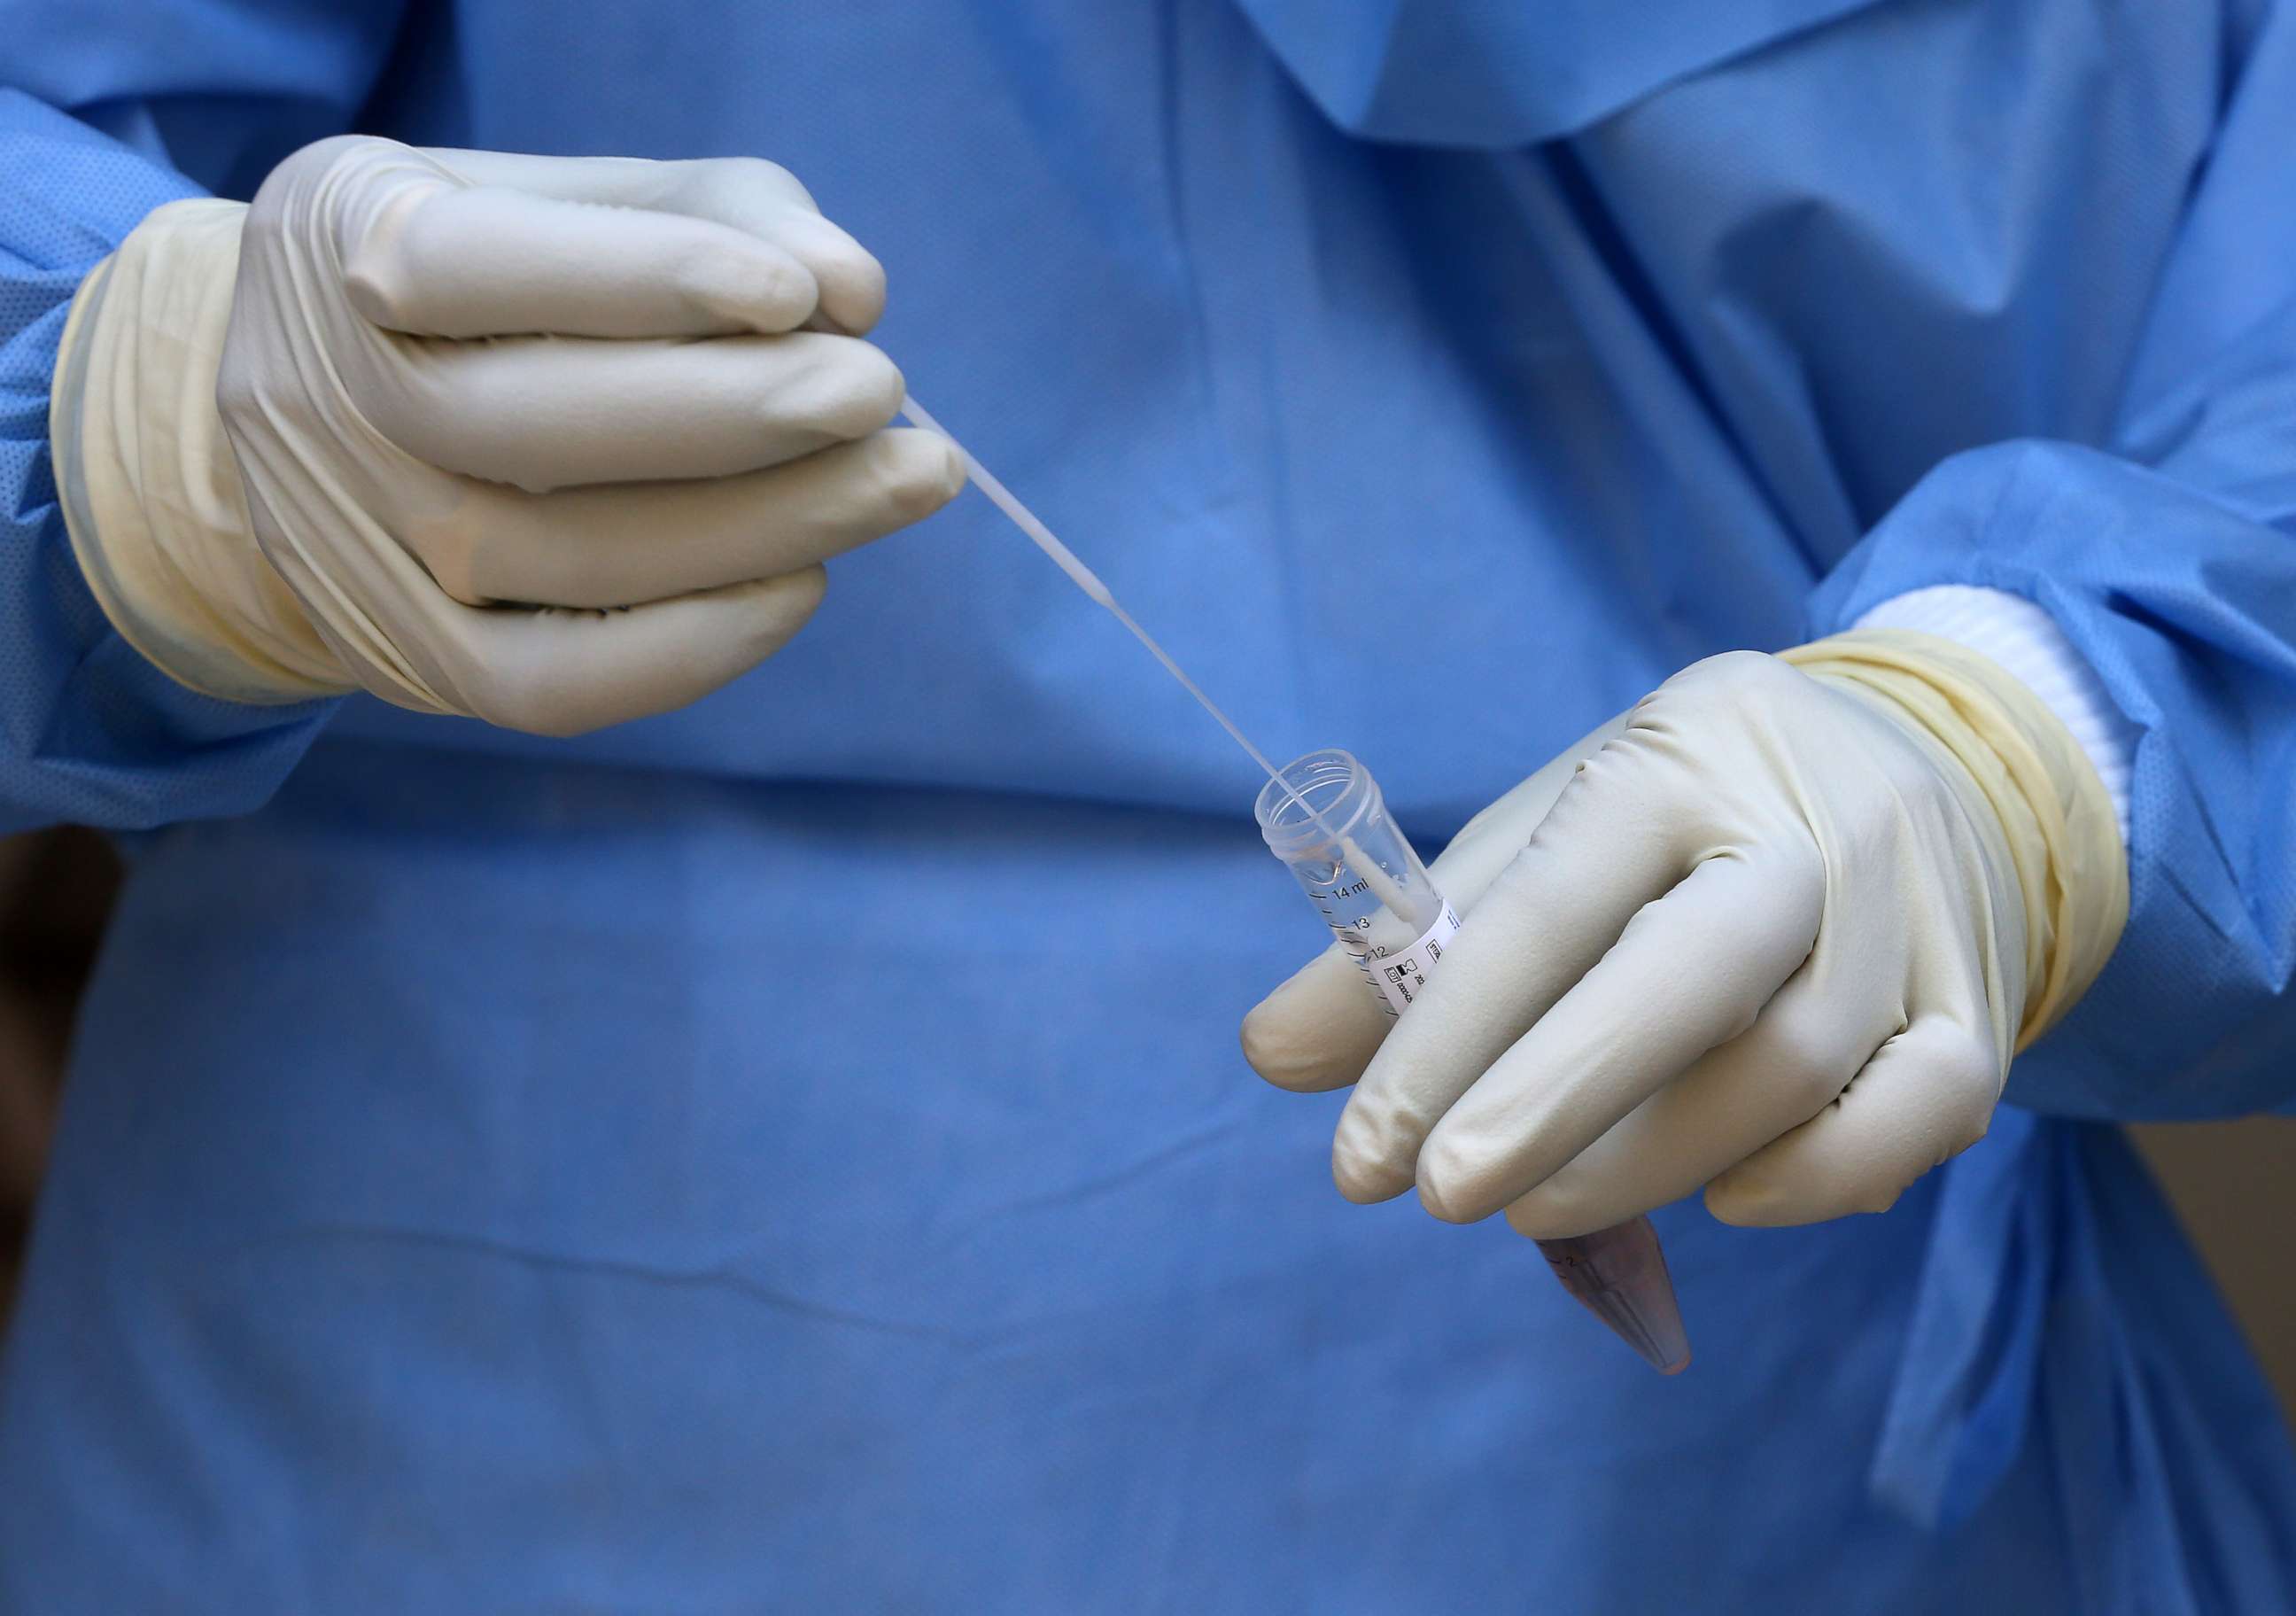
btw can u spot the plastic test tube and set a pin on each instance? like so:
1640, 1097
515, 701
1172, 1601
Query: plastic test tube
1330, 824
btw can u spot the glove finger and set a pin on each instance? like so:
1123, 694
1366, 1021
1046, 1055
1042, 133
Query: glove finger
486, 260
1321, 1028
564, 673
553, 413
627, 542
1688, 972
1489, 842
745, 194
1607, 847
1798, 1055
1925, 1096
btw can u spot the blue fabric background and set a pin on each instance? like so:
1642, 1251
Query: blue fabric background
793, 1153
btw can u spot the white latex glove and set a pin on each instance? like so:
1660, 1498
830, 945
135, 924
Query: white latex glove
538, 441
1776, 933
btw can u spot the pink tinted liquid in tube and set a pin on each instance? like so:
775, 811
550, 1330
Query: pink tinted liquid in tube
1323, 816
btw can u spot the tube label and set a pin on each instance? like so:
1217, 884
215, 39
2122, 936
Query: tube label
1398, 974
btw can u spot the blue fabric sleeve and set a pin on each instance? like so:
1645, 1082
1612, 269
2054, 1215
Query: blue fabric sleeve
90, 731
109, 108
106, 110
2168, 556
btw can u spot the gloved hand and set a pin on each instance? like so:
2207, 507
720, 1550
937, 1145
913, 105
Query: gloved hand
538, 441
1776, 931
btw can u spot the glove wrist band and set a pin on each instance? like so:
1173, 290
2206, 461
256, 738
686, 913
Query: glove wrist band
2059, 821
151, 493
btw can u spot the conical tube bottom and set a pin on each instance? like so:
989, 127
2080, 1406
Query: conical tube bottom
1619, 1275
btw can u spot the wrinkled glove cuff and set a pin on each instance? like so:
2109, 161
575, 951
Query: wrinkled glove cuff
2025, 641
2055, 813
151, 493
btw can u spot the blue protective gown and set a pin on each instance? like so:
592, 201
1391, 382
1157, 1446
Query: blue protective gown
793, 1153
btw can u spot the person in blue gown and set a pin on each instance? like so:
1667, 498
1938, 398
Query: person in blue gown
790, 1150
